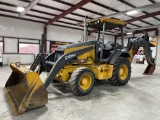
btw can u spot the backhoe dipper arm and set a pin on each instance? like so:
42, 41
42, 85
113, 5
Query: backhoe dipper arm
133, 47
62, 61
135, 44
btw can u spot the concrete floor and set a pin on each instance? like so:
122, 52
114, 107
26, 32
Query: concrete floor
138, 100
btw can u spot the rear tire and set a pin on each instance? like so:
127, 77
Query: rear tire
121, 72
82, 81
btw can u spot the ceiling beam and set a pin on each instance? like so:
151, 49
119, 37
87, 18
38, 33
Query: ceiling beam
8, 4
87, 10
37, 21
139, 31
131, 20
38, 11
127, 3
143, 17
135, 25
35, 16
33, 10
29, 7
81, 8
145, 30
114, 10
51, 14
104, 6
70, 10
152, 1
53, 8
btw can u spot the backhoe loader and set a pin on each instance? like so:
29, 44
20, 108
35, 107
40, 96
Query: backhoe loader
78, 64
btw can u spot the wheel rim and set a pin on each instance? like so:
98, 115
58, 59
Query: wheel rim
85, 81
123, 72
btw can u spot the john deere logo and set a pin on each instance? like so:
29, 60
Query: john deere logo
70, 56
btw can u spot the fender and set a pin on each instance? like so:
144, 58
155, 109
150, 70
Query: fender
116, 54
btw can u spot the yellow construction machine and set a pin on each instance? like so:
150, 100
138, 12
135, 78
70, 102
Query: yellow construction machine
79, 64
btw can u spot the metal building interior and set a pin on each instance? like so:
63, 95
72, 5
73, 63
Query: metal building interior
29, 29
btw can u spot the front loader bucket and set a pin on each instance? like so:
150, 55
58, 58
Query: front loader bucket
24, 90
149, 69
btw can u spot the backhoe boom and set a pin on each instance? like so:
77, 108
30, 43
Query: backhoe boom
135, 44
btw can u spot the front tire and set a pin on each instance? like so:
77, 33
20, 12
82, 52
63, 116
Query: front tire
121, 72
82, 81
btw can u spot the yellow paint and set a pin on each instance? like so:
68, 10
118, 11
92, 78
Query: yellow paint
101, 71
85, 81
131, 55
84, 55
114, 21
155, 43
123, 72
109, 20
21, 69
23, 89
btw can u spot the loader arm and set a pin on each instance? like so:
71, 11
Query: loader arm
40, 60
62, 61
133, 47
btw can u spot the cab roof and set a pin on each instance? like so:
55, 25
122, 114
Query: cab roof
110, 23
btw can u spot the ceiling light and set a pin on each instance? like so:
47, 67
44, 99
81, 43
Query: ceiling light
130, 33
20, 9
132, 12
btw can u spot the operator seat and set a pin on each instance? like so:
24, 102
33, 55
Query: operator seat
108, 47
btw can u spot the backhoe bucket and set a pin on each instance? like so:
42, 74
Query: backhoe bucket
24, 90
149, 69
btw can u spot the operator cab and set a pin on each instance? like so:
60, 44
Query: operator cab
102, 25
